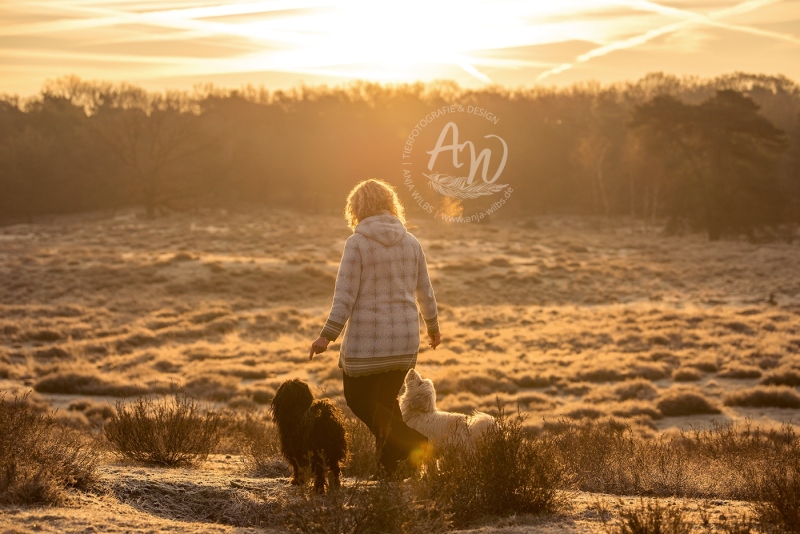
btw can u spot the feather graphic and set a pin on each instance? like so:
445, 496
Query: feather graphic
457, 187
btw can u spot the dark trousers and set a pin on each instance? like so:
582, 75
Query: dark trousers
373, 398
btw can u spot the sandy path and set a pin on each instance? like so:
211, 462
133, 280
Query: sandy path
139, 499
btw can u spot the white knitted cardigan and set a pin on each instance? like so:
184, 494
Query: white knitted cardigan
383, 277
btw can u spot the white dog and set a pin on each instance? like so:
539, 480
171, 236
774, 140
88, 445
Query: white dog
418, 407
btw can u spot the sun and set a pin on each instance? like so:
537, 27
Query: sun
388, 39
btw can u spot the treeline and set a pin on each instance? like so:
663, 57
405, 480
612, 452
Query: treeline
721, 155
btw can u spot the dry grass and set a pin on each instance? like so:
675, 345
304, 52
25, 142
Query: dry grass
728, 462
686, 374
172, 431
680, 401
386, 506
561, 317
184, 501
361, 459
72, 383
786, 376
650, 517
39, 460
257, 441
722, 462
505, 473
778, 486
765, 396
739, 371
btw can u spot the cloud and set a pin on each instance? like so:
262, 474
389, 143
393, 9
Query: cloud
689, 19
388, 40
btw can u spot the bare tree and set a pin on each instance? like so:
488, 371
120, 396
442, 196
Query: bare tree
157, 137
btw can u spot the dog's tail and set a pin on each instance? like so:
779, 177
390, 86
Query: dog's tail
478, 422
328, 432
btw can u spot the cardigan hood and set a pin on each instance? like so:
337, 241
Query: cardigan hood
385, 228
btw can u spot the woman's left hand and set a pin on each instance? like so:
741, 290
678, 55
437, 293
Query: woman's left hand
318, 347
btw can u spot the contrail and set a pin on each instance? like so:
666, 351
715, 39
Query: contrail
695, 18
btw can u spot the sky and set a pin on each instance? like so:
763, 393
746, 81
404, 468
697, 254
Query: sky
280, 43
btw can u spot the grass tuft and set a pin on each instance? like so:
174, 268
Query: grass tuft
782, 377
778, 484
687, 374
683, 402
170, 431
385, 506
764, 396
38, 459
76, 383
506, 472
361, 459
650, 517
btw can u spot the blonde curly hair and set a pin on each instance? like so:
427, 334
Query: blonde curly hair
371, 197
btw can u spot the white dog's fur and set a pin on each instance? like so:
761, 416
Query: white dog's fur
418, 407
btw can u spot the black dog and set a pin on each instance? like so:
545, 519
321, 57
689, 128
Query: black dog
311, 431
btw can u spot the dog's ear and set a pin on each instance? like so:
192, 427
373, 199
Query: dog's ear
412, 375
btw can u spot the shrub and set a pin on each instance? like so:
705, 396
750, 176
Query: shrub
761, 396
506, 472
687, 374
385, 507
262, 396
782, 377
721, 462
39, 460
740, 372
528, 381
259, 445
75, 383
683, 402
638, 388
708, 366
584, 412
169, 431
361, 457
634, 408
647, 371
649, 517
778, 484
600, 374
477, 384
212, 387
96, 413
593, 453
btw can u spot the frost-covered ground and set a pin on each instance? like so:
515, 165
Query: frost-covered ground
561, 317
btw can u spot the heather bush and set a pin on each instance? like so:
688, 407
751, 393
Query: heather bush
765, 396
650, 517
38, 459
506, 472
361, 457
684, 402
169, 431
259, 445
777, 488
722, 462
386, 506
86, 383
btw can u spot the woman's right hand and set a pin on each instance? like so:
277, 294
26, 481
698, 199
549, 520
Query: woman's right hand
435, 340
318, 347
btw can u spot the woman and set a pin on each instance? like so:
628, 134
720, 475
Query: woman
382, 278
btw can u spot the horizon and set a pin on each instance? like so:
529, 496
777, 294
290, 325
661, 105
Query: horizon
247, 88
280, 45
